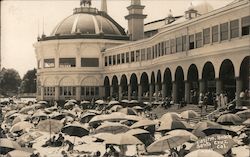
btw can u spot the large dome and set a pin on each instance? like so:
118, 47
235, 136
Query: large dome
88, 22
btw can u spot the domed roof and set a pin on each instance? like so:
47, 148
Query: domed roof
88, 21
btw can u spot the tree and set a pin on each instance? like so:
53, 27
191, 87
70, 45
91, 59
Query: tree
9, 81
28, 84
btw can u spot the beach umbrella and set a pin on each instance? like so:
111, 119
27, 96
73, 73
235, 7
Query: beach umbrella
167, 142
69, 113
245, 114
179, 132
128, 111
110, 127
7, 145
174, 124
75, 130
206, 128
29, 136
104, 136
137, 131
94, 111
246, 122
142, 123
20, 118
21, 126
100, 102
115, 116
138, 108
189, 114
51, 109
85, 102
125, 101
113, 102
50, 125
69, 105
123, 139
26, 109
18, 153
169, 116
57, 116
219, 143
133, 118
76, 109
42, 102
9, 113
133, 102
72, 101
39, 113
203, 153
229, 119
115, 108
87, 117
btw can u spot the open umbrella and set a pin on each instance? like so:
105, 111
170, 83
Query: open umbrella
167, 142
39, 113
206, 128
50, 125
69, 113
6, 145
9, 113
111, 127
123, 139
104, 136
169, 116
69, 105
218, 143
128, 111
189, 114
75, 130
138, 108
137, 131
21, 126
142, 123
204, 153
100, 102
229, 119
72, 101
42, 102
179, 132
245, 114
20, 118
87, 117
115, 108
246, 122
29, 136
18, 153
125, 101
173, 124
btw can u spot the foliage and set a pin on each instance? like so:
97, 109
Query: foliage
28, 84
9, 82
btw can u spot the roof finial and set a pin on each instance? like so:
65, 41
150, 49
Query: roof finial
85, 2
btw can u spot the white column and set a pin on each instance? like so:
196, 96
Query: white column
57, 92
78, 93
218, 86
120, 93
201, 86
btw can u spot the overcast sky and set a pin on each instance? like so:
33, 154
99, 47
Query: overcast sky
21, 19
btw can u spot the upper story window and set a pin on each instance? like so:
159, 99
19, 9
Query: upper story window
245, 23
89, 62
215, 33
110, 60
106, 61
143, 55
114, 59
67, 62
49, 63
224, 31
159, 49
123, 58
179, 44
191, 42
234, 28
172, 46
153, 52
118, 59
137, 55
132, 56
162, 48
206, 36
127, 57
198, 39
149, 54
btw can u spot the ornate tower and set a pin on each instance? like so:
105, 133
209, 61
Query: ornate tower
136, 20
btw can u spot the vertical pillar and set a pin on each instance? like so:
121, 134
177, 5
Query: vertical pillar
218, 86
120, 93
157, 91
78, 93
163, 86
174, 91
238, 90
187, 91
139, 92
42, 93
150, 92
57, 93
111, 91
201, 86
101, 91
129, 92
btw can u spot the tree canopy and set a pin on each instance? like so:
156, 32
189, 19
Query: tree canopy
28, 84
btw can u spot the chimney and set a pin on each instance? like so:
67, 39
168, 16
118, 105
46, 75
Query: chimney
136, 20
104, 6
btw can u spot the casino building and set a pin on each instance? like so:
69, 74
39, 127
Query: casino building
89, 55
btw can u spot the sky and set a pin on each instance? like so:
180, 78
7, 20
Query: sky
22, 21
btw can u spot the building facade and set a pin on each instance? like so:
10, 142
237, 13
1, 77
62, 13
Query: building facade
173, 57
